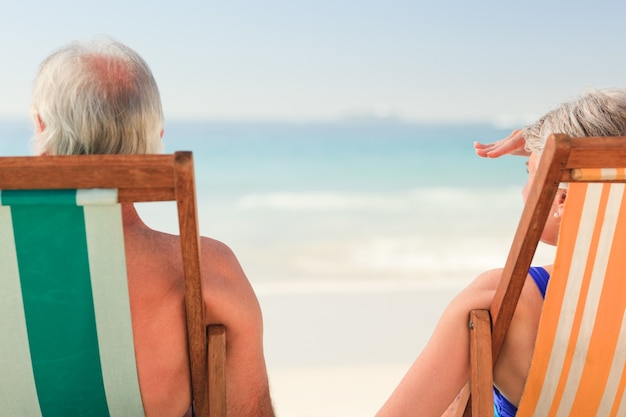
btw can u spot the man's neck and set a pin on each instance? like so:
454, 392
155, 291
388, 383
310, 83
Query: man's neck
130, 217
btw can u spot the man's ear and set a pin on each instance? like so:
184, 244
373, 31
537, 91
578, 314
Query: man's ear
40, 125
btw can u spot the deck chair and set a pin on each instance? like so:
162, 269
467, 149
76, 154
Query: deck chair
66, 344
579, 363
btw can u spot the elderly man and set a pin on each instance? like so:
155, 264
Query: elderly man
100, 97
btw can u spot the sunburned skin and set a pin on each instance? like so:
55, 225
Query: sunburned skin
156, 288
114, 75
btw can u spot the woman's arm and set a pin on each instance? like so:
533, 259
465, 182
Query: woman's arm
439, 373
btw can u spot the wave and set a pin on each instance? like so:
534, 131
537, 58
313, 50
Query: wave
334, 287
405, 257
402, 200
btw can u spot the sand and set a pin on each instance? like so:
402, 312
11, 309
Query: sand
339, 351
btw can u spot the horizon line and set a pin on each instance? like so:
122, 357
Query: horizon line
497, 122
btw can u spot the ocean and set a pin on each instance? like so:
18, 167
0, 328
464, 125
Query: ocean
355, 235
327, 204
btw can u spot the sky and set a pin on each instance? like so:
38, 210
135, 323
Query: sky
291, 60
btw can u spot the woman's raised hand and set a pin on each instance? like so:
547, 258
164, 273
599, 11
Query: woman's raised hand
511, 145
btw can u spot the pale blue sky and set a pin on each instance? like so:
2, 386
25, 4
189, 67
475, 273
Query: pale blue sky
328, 59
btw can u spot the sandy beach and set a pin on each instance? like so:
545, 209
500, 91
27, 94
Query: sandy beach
339, 351
333, 391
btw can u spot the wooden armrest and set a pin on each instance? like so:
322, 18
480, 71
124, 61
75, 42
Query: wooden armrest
481, 363
216, 338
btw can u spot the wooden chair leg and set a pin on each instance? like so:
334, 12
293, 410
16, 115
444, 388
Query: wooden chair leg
216, 352
481, 364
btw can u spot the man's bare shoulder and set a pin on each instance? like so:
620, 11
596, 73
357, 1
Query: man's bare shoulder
219, 260
226, 288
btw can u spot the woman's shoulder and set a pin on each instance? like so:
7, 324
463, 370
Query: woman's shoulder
488, 280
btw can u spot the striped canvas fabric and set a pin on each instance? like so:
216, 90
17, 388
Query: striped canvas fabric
599, 174
66, 347
578, 367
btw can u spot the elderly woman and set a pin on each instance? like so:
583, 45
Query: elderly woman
440, 371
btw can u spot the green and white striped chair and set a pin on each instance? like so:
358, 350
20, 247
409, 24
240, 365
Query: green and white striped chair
66, 342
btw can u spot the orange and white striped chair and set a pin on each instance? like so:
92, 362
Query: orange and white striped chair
66, 342
579, 363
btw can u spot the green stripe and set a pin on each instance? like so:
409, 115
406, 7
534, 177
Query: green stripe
32, 197
59, 308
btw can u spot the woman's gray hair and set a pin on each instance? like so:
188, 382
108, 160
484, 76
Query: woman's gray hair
595, 113
96, 97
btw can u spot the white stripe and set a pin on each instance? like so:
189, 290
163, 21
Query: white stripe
570, 300
608, 173
96, 196
593, 297
18, 394
107, 265
617, 367
621, 412
615, 375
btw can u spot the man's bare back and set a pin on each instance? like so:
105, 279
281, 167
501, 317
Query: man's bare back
156, 295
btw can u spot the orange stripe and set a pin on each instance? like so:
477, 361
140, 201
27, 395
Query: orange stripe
587, 174
582, 294
619, 394
598, 174
606, 328
582, 298
552, 308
